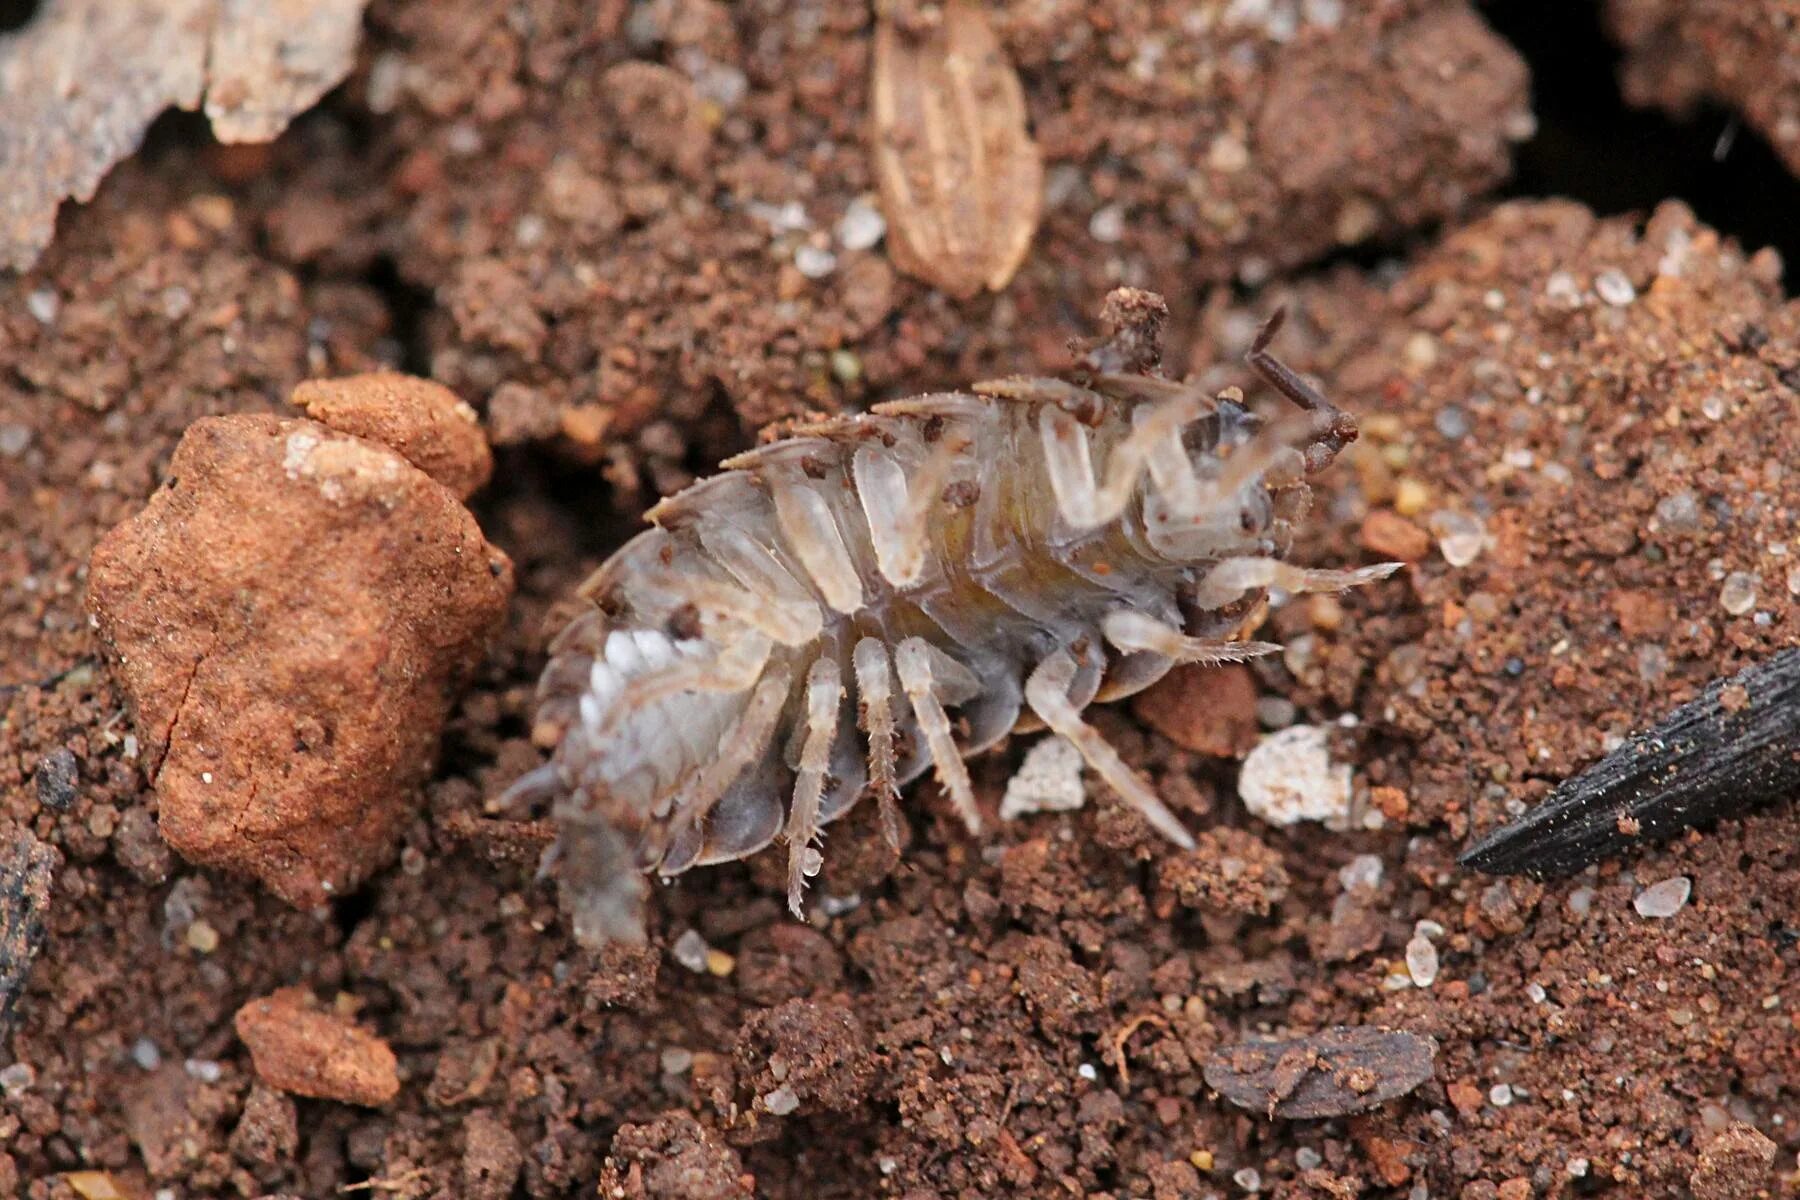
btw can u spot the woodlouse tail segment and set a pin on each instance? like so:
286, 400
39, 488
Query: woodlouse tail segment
824, 695
747, 741
602, 892
1134, 632
1047, 692
875, 691
1335, 429
1232, 578
919, 665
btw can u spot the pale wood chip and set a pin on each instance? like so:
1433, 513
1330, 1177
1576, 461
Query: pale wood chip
961, 179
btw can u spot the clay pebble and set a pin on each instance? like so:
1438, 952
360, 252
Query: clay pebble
300, 1047
291, 617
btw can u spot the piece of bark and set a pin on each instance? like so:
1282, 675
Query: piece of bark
27, 870
1336, 1071
1733, 747
82, 81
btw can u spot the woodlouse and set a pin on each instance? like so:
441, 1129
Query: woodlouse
951, 552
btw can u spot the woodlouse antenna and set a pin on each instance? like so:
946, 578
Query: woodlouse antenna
1337, 428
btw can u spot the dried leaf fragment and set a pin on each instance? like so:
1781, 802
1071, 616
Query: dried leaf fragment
82, 81
1345, 1069
961, 179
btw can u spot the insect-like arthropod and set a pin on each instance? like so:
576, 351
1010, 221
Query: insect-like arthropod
877, 593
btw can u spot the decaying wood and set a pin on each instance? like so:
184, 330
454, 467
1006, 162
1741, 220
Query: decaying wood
82, 81
961, 179
1345, 1069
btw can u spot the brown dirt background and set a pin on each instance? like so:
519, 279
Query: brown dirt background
1026, 1016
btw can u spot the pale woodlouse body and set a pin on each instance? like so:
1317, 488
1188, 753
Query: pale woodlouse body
836, 611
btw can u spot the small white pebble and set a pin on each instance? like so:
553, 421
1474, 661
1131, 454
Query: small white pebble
690, 951
1536, 992
1289, 776
1562, 290
1577, 1168
1363, 871
1048, 780
676, 1060
1613, 287
1248, 1178
1500, 1095
1087, 1072
1793, 582
1421, 961
1326, 14
16, 1078
781, 1101
146, 1054
44, 305
814, 262
1738, 594
1275, 712
1306, 1158
862, 225
1713, 409
1107, 224
1664, 899
203, 1069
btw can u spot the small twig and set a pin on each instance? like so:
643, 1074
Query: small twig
1120, 1038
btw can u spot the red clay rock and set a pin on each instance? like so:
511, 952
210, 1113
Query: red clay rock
1387, 533
1209, 710
425, 422
291, 616
297, 1046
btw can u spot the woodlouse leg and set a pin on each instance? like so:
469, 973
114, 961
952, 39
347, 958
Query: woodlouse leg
913, 658
539, 783
1133, 631
1154, 444
1069, 462
1232, 577
1337, 428
1047, 692
899, 510
748, 739
806, 521
824, 694
874, 691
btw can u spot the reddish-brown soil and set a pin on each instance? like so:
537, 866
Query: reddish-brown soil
486, 203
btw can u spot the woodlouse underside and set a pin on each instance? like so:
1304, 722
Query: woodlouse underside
879, 593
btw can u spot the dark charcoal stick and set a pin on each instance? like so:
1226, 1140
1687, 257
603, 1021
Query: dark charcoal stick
1736, 746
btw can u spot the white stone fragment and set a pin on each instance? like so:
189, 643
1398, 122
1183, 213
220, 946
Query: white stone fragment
1049, 780
1664, 899
862, 225
1421, 961
1613, 287
1290, 777
781, 1101
690, 951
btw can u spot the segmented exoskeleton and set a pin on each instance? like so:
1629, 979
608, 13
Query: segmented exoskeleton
877, 593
